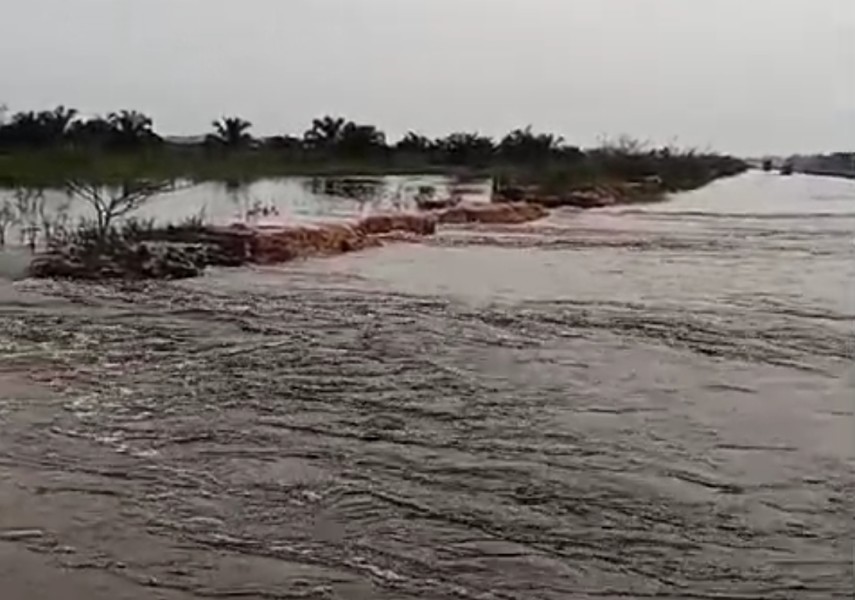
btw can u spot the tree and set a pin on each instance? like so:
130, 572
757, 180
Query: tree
57, 122
360, 140
96, 131
54, 222
37, 129
414, 143
340, 136
231, 132
131, 128
466, 149
8, 216
24, 129
113, 203
325, 132
521, 145
28, 204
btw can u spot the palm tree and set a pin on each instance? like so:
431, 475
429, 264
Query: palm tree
525, 146
57, 121
44, 128
466, 148
325, 132
358, 140
231, 132
415, 143
131, 128
95, 131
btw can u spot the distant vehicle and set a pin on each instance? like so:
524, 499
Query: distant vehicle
767, 164
787, 169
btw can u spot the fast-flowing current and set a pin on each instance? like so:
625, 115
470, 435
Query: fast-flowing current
647, 401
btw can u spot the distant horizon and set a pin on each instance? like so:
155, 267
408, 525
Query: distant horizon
765, 77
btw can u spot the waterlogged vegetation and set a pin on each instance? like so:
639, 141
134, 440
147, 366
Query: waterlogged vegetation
48, 148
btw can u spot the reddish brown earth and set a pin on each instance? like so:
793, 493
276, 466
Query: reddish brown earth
272, 245
178, 253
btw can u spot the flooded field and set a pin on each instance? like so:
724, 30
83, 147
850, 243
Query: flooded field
621, 403
282, 200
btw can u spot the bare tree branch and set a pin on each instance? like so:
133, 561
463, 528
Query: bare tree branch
54, 220
116, 203
8, 216
28, 203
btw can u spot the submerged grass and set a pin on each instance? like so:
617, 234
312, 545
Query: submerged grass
54, 167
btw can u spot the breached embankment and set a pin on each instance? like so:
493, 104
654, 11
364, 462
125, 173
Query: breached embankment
182, 252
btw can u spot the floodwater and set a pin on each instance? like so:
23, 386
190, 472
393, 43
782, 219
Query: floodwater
621, 403
273, 200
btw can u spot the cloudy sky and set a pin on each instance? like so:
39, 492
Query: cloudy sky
746, 76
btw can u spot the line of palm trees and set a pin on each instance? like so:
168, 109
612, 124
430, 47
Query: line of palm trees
331, 137
327, 134
341, 136
130, 129
63, 125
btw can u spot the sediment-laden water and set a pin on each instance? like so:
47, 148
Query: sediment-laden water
621, 403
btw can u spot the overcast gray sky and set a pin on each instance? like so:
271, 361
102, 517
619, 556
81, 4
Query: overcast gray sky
746, 76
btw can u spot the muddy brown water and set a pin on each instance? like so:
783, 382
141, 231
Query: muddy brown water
623, 403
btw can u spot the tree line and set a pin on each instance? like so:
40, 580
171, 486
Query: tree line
62, 127
131, 129
336, 139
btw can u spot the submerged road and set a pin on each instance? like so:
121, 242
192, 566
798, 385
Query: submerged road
624, 403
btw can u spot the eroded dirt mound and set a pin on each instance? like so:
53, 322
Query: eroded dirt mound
175, 253
505, 213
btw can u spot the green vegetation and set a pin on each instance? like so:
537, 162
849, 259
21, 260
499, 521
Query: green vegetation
231, 132
49, 148
671, 169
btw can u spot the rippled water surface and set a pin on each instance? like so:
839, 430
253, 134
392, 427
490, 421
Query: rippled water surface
630, 402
